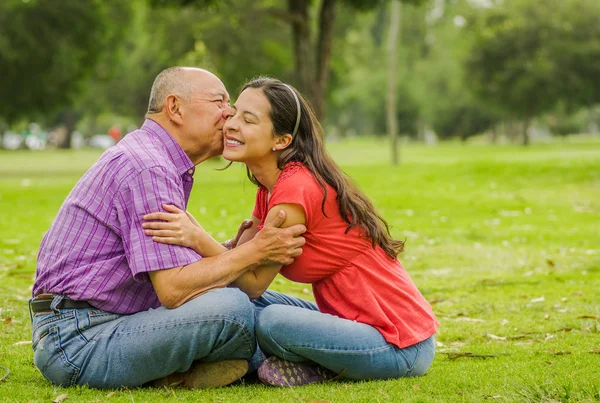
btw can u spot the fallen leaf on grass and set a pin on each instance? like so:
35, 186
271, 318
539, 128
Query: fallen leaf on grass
5, 374
467, 354
536, 300
8, 321
22, 343
564, 352
111, 394
596, 351
588, 317
60, 398
494, 337
415, 386
469, 320
526, 342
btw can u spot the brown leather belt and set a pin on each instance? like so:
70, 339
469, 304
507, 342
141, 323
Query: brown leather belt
42, 302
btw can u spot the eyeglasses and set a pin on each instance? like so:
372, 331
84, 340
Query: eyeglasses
221, 103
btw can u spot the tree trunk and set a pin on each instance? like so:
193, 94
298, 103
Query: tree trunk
1, 136
324, 42
302, 45
392, 73
69, 119
494, 134
526, 124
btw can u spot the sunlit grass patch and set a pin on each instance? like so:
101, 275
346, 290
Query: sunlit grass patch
503, 241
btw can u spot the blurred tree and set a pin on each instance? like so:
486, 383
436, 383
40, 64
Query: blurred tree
392, 101
439, 80
46, 48
528, 55
311, 57
360, 78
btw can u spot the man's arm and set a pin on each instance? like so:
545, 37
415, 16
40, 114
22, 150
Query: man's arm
256, 281
271, 246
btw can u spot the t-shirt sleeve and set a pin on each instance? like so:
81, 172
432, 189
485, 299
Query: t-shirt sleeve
299, 188
260, 203
145, 193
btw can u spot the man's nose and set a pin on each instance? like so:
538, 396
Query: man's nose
227, 112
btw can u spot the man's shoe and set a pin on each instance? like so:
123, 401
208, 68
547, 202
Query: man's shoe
204, 375
277, 372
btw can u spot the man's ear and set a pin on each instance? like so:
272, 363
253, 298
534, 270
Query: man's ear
173, 109
283, 142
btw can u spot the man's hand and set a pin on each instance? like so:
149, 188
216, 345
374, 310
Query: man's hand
280, 245
232, 243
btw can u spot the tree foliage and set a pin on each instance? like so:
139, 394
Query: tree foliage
528, 55
46, 48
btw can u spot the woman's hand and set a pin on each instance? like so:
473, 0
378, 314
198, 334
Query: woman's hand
233, 242
176, 227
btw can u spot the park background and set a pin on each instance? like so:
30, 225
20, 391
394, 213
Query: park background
472, 124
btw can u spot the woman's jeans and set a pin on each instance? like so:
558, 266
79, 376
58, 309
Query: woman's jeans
295, 330
105, 350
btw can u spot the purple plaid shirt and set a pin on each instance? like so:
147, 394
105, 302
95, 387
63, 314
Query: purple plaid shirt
96, 250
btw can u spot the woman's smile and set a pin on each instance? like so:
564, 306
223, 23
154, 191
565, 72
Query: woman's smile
232, 142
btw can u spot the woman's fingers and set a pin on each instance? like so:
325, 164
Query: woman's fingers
160, 216
172, 209
170, 241
160, 225
159, 233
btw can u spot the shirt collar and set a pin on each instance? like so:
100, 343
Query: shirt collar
182, 162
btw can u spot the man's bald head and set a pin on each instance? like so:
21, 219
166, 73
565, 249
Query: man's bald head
181, 81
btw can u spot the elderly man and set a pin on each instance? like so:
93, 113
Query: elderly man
111, 307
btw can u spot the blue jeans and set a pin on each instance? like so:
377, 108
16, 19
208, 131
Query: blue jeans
287, 329
106, 350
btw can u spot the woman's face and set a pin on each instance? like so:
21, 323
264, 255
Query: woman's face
248, 132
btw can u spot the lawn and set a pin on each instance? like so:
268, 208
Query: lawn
503, 241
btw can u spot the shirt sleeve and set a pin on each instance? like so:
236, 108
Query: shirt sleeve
260, 203
145, 193
298, 188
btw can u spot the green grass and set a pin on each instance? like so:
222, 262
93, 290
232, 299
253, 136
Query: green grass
503, 241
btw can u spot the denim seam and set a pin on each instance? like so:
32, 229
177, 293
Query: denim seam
39, 338
340, 350
66, 315
248, 336
63, 356
412, 366
176, 324
86, 341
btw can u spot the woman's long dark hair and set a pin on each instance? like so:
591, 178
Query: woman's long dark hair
307, 147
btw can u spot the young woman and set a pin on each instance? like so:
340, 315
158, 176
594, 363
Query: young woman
371, 321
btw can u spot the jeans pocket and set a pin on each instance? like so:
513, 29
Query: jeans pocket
407, 357
51, 359
89, 322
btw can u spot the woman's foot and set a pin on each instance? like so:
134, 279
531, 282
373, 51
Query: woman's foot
277, 372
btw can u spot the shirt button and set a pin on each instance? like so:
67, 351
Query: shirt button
191, 171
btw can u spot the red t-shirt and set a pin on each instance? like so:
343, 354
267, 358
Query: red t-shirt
350, 278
